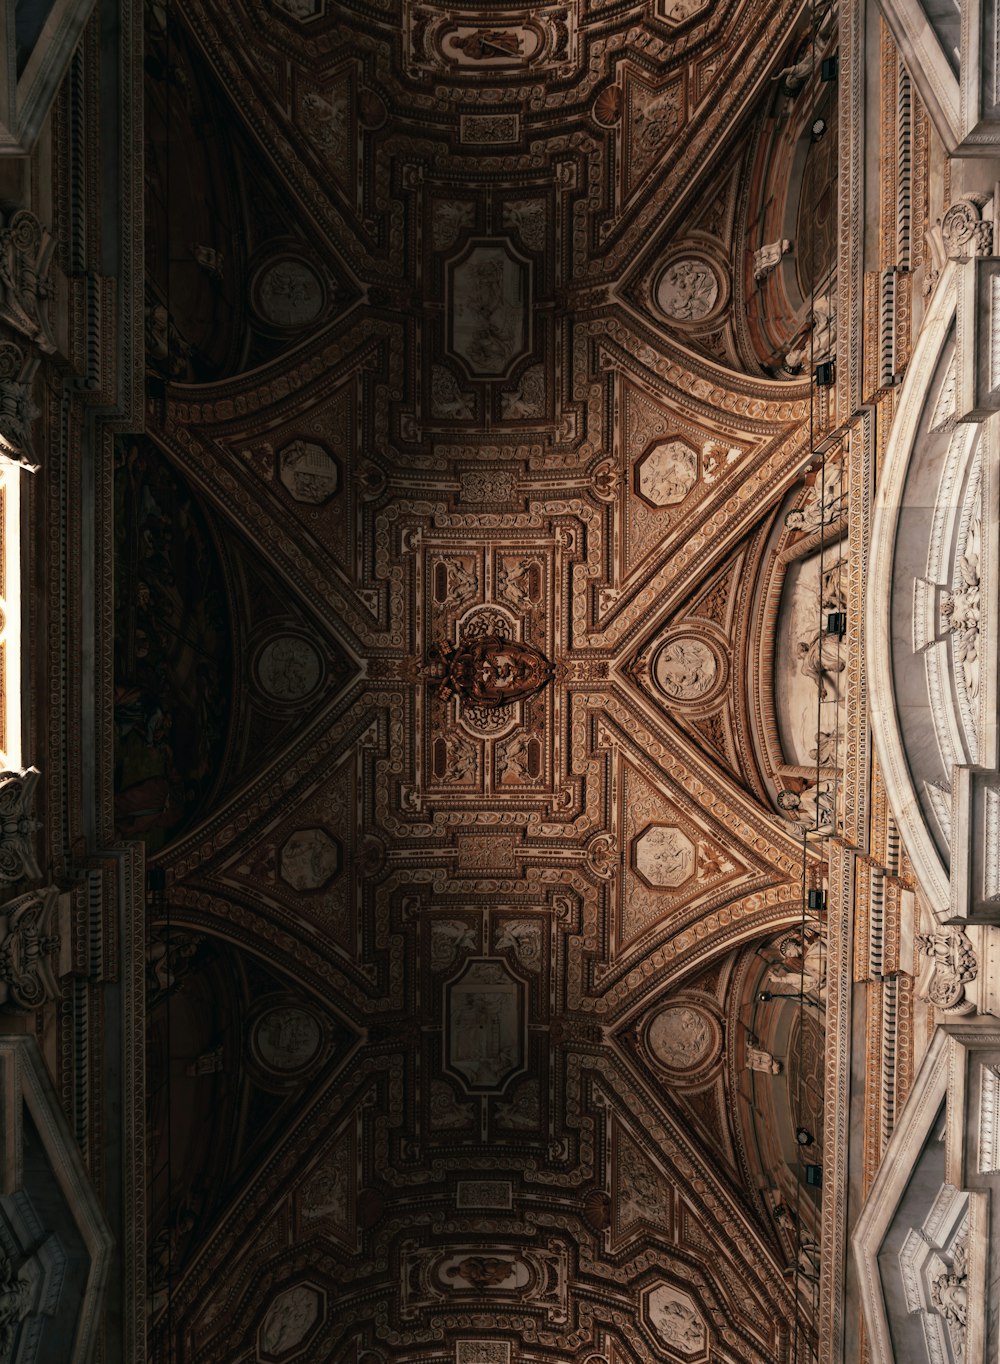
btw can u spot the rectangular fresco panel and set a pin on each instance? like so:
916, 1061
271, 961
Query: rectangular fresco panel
485, 1025
489, 310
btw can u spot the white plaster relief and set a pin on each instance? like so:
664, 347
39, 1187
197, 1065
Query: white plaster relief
989, 1120
960, 609
933, 1263
991, 844
939, 800
994, 332
950, 965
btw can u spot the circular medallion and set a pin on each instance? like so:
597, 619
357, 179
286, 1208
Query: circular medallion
288, 668
288, 293
687, 289
683, 1037
685, 668
286, 1039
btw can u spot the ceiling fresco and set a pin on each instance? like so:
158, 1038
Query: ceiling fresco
451, 571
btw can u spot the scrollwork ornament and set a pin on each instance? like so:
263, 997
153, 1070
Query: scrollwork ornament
966, 233
17, 856
603, 855
25, 252
27, 949
952, 964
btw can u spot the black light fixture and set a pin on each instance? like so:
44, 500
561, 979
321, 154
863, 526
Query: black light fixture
765, 996
818, 128
814, 1176
829, 68
836, 624
824, 374
803, 1136
816, 899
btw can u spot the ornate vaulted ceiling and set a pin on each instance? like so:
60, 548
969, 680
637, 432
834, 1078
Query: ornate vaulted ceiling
445, 574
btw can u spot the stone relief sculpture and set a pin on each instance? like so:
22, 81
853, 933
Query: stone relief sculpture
960, 607
685, 669
27, 947
687, 290
26, 249
211, 260
644, 1192
308, 472
676, 1320
289, 1319
446, 1111
796, 74
449, 219
822, 659
525, 939
668, 473
489, 308
767, 258
680, 1037
964, 229
523, 1110
812, 810
449, 937
288, 668
286, 1039
950, 1292
665, 855
289, 294
528, 399
326, 121
528, 218
950, 964
447, 400
309, 859
482, 1271
821, 343
824, 503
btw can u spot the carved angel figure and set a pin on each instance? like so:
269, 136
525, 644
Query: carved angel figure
825, 501
795, 75
821, 660
809, 810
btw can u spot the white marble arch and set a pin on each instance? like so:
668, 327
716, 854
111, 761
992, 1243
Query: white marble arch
923, 724
937, 1168
62, 1188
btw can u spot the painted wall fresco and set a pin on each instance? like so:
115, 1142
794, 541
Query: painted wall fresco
172, 650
